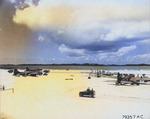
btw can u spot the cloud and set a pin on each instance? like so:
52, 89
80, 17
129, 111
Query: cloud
125, 50
102, 56
53, 59
91, 29
145, 41
127, 29
61, 31
117, 56
55, 15
41, 38
15, 39
112, 11
145, 56
87, 58
46, 16
91, 26
71, 52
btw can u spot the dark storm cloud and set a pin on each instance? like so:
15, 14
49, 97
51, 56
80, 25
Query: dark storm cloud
99, 46
71, 44
112, 46
19, 2
92, 32
15, 39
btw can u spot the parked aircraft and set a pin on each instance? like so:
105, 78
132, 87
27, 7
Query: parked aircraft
131, 79
39, 71
46, 71
10, 71
25, 73
30, 72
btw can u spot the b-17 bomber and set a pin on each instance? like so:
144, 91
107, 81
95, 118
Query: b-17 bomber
29, 72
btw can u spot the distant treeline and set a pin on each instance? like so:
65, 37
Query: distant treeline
74, 64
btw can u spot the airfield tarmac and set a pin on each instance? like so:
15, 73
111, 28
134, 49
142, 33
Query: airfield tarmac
53, 97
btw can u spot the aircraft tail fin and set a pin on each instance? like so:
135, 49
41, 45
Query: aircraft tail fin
27, 68
16, 72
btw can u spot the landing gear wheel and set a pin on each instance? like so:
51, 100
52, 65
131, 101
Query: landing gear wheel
117, 83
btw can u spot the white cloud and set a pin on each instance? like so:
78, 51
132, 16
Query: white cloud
88, 23
41, 38
126, 29
53, 58
87, 58
46, 15
125, 50
113, 56
79, 25
103, 55
71, 52
144, 56
115, 11
145, 41
61, 31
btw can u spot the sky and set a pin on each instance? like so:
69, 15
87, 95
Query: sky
75, 31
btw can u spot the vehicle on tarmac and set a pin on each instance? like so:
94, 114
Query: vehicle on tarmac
87, 93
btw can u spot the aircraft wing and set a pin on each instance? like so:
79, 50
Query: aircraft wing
32, 73
126, 82
145, 79
140, 79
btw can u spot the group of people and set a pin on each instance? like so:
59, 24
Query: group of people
89, 89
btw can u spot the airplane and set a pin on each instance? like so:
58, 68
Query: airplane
10, 71
109, 73
26, 73
46, 72
128, 79
39, 71
131, 79
18, 73
140, 79
30, 72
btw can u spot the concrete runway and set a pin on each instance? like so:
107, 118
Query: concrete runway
53, 97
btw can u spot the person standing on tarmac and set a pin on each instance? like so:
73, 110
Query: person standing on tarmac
118, 78
3, 87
